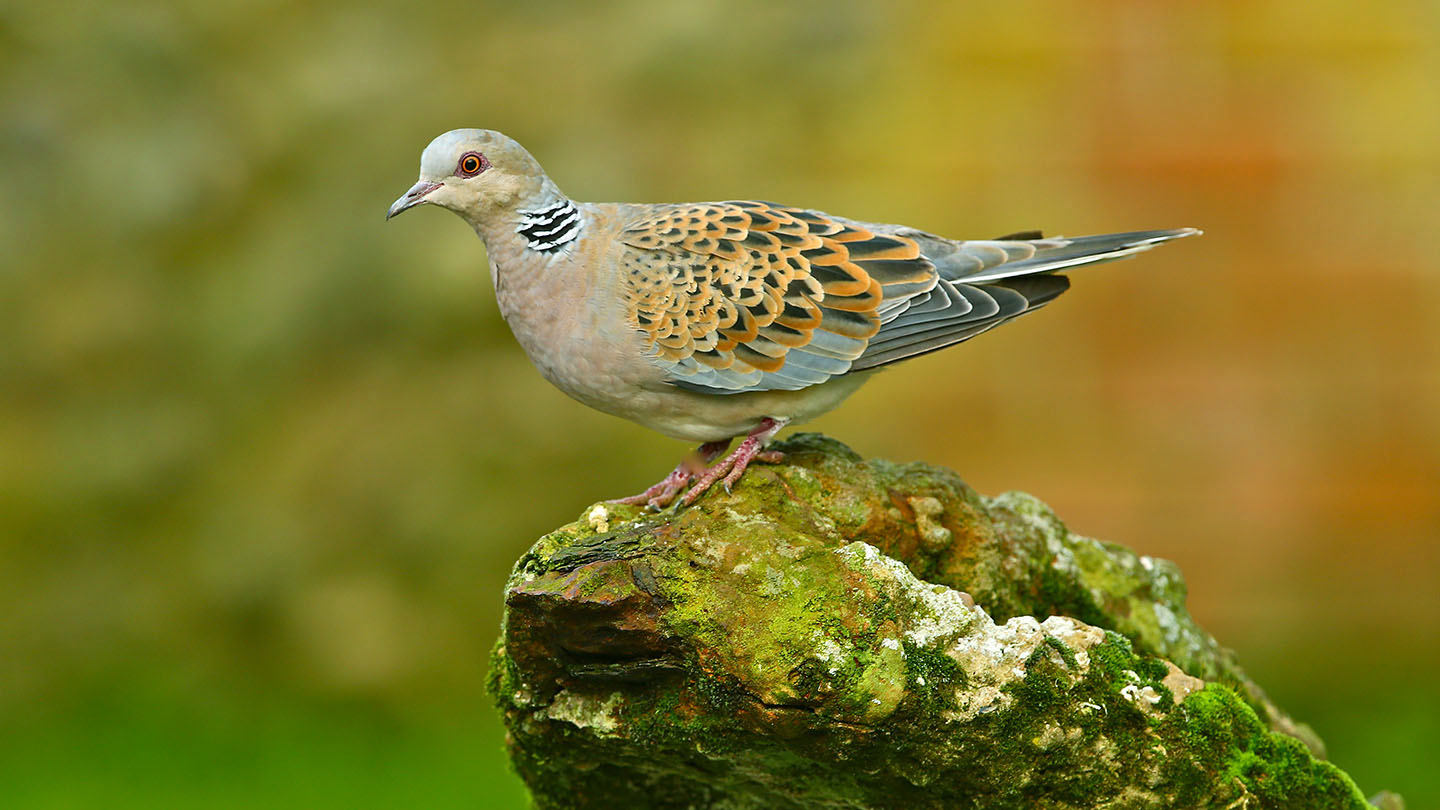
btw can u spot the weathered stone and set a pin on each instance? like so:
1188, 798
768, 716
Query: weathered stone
850, 634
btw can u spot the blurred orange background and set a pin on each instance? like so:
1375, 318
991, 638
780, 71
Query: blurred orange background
265, 461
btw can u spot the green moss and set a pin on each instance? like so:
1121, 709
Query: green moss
678, 716
1228, 741
1051, 644
932, 671
502, 680
721, 696
1113, 656
1049, 676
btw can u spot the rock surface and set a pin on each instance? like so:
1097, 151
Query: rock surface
839, 633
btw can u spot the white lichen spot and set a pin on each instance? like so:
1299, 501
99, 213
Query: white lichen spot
586, 711
1147, 563
1136, 694
997, 648
829, 651
890, 643
919, 680
599, 518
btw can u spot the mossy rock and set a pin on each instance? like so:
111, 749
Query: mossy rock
839, 633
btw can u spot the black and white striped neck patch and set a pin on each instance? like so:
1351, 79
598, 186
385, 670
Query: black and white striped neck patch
547, 229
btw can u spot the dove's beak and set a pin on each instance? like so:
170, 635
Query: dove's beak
412, 198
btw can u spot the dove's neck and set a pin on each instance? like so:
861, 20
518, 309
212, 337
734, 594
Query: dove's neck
536, 263
542, 223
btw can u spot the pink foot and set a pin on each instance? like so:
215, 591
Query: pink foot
733, 466
662, 493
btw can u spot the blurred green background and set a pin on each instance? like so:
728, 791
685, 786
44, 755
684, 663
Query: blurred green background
265, 460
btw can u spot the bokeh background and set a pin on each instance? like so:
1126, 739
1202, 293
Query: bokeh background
265, 460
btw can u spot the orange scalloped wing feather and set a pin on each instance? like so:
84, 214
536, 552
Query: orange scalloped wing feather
746, 296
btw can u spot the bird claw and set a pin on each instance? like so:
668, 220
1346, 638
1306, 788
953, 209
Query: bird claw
727, 471
663, 493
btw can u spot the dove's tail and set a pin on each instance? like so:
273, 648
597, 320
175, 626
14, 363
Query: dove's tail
1059, 253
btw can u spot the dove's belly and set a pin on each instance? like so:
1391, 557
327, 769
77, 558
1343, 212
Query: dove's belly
628, 385
698, 417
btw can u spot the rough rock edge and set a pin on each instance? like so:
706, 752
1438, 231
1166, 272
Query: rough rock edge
743, 654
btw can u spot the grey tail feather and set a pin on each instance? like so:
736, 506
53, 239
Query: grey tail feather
1066, 253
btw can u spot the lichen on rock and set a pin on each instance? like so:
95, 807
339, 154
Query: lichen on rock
851, 634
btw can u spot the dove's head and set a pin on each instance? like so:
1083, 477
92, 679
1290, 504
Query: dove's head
476, 173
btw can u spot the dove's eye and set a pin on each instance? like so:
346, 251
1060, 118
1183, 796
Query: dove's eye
471, 164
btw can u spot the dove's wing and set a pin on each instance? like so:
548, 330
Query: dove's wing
753, 296
749, 296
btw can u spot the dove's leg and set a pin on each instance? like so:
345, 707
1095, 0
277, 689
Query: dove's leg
662, 493
733, 466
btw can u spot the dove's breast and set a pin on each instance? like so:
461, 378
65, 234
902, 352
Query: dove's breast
565, 315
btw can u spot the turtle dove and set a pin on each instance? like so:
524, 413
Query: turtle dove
714, 320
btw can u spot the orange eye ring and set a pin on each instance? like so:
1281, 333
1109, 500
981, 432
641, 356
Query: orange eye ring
471, 164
